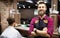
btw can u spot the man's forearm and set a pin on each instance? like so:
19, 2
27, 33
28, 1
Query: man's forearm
42, 33
33, 33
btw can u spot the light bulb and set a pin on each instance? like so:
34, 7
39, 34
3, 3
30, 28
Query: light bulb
17, 3
23, 6
28, 6
19, 7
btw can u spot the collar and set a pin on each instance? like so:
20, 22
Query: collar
43, 18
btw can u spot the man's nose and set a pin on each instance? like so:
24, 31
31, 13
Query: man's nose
41, 8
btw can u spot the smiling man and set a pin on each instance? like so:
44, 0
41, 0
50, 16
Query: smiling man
41, 26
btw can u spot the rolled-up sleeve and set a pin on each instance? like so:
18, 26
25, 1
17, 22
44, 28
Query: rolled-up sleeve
50, 26
31, 25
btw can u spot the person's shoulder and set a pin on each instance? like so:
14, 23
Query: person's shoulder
15, 30
5, 30
34, 18
50, 18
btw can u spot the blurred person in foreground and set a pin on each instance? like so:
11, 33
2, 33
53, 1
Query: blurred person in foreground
10, 31
42, 25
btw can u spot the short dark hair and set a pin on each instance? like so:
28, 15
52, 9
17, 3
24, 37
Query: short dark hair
41, 3
10, 20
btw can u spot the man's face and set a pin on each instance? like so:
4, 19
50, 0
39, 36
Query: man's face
41, 9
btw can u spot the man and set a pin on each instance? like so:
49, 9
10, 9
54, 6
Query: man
41, 26
10, 31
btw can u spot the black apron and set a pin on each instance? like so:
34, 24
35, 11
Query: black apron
40, 25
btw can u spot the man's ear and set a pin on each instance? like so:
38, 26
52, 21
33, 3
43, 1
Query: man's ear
46, 8
15, 24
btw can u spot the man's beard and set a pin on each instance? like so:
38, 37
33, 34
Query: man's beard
41, 13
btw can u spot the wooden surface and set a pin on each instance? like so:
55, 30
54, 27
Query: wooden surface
24, 31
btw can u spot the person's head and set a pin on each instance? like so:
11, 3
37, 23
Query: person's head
11, 21
41, 8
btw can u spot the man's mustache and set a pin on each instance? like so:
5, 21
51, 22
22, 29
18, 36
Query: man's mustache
40, 11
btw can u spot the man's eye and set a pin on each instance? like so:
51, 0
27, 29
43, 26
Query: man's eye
39, 7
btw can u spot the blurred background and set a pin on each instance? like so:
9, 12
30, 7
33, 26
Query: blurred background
25, 10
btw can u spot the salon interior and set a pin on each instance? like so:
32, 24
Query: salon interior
24, 10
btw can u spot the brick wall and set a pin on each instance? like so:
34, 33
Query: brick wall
4, 10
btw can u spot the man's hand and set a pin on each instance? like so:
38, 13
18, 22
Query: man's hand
33, 33
34, 29
43, 32
45, 29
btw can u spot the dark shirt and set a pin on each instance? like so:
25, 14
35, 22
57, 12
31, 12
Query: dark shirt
41, 24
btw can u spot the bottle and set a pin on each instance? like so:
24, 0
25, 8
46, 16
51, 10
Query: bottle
24, 24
